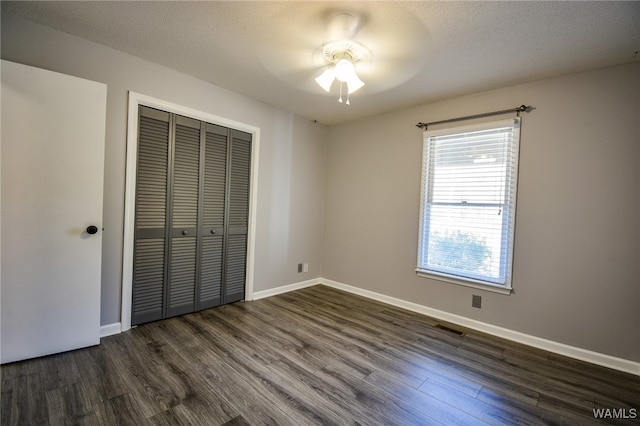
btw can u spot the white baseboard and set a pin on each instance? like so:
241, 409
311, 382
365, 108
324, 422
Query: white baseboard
110, 329
559, 348
285, 288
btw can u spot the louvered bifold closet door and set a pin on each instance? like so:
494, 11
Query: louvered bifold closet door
238, 212
192, 208
184, 217
150, 216
214, 198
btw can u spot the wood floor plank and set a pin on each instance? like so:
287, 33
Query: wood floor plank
368, 347
26, 403
6, 402
264, 381
318, 400
99, 375
167, 418
335, 350
237, 421
392, 334
494, 414
69, 404
438, 410
19, 369
375, 400
595, 372
285, 342
508, 391
309, 357
120, 410
524, 374
195, 407
248, 394
59, 370
144, 384
567, 412
249, 343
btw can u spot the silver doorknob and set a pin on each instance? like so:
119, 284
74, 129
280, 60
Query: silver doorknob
213, 231
185, 232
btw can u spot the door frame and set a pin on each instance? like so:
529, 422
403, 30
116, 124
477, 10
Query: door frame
135, 100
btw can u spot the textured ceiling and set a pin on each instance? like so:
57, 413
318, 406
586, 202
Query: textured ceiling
420, 51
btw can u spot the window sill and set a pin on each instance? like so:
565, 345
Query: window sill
473, 284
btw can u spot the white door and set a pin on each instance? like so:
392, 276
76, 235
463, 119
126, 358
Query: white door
52, 164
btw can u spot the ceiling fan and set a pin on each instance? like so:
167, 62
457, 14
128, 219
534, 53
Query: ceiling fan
327, 47
342, 55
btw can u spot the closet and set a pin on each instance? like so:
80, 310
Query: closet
192, 205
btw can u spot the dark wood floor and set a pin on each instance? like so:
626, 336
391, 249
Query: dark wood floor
313, 356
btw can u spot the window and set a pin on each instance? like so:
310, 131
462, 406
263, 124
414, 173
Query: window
468, 203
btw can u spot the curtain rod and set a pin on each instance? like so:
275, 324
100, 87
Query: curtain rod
518, 110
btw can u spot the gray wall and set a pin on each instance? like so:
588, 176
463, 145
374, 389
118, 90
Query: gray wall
292, 152
577, 249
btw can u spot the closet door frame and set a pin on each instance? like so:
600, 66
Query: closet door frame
136, 100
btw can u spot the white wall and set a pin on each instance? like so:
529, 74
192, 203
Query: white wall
577, 251
292, 152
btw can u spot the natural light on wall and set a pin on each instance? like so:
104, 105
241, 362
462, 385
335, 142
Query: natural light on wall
468, 202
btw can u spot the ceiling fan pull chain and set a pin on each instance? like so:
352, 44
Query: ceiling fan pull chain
340, 98
348, 103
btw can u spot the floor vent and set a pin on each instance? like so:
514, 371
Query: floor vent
450, 330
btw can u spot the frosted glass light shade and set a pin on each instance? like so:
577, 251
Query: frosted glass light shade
325, 80
346, 73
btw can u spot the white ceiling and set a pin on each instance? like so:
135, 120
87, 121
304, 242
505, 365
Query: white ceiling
421, 51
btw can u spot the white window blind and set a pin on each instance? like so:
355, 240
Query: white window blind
468, 202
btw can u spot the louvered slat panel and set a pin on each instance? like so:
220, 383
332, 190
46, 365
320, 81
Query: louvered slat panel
238, 211
214, 180
150, 215
215, 170
151, 192
211, 271
148, 279
185, 177
239, 181
236, 268
182, 276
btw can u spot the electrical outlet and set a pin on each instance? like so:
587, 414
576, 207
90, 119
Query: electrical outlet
305, 267
476, 301
299, 267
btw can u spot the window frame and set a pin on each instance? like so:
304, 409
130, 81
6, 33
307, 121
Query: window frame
508, 212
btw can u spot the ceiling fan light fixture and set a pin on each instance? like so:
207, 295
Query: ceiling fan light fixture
342, 56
